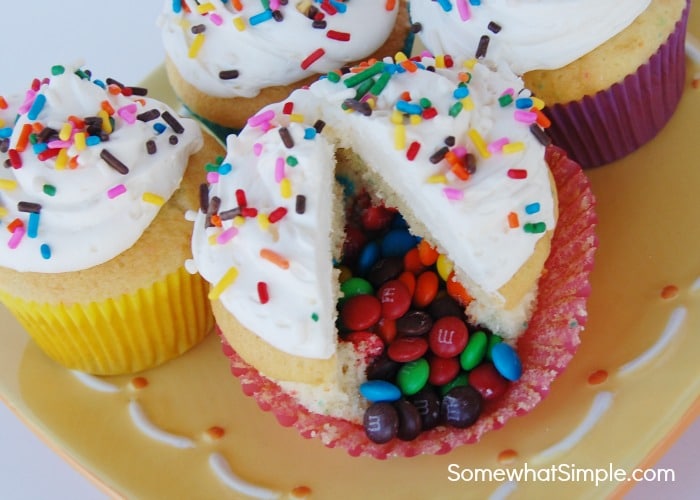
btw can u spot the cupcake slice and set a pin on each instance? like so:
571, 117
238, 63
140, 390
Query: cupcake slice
226, 60
611, 73
348, 302
97, 181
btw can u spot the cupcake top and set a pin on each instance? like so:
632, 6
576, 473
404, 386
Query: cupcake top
458, 141
527, 34
88, 164
235, 48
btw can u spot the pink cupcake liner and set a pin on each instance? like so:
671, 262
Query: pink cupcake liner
609, 125
545, 349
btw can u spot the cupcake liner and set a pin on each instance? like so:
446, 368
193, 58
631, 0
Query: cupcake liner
124, 334
609, 125
545, 349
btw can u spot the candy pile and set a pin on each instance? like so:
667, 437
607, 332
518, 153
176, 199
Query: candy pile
435, 368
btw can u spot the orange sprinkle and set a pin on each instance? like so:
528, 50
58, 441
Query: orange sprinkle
275, 258
139, 382
14, 225
409, 66
427, 253
301, 491
237, 5
3, 103
390, 4
464, 76
542, 119
405, 95
23, 138
460, 171
107, 107
114, 89
76, 121
507, 456
669, 292
73, 162
597, 377
37, 127
216, 432
216, 220
513, 220
457, 291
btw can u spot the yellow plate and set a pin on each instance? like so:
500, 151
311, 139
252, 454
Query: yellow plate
185, 430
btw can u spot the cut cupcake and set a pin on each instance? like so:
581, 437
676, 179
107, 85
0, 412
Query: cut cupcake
441, 174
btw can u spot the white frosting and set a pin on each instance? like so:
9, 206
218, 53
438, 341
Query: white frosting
94, 383
469, 218
80, 223
535, 34
268, 53
222, 469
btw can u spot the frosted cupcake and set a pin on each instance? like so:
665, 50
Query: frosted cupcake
226, 60
97, 181
440, 234
611, 73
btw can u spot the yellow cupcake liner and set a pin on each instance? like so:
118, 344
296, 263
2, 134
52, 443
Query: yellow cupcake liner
120, 335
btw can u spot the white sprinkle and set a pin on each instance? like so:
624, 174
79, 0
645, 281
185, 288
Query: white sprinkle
151, 430
191, 266
600, 405
222, 469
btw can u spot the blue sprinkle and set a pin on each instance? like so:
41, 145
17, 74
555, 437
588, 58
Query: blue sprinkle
475, 2
408, 108
33, 225
93, 140
5, 132
340, 7
309, 133
46, 251
177, 6
460, 92
37, 106
265, 15
159, 127
100, 84
523, 103
446, 5
532, 208
225, 168
39, 147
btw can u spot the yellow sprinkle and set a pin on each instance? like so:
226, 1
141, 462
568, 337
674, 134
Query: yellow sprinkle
62, 159
153, 198
2, 123
400, 137
470, 63
396, 117
400, 57
371, 102
437, 179
3, 212
238, 220
479, 143
212, 239
196, 45
205, 8
66, 129
444, 266
285, 188
296, 117
239, 23
106, 124
263, 221
79, 141
8, 184
226, 281
415, 119
537, 102
439, 61
467, 103
513, 147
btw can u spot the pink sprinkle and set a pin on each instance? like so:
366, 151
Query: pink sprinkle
453, 194
274, 4
212, 177
509, 91
128, 113
226, 235
459, 151
16, 237
523, 116
426, 53
279, 169
497, 145
260, 118
257, 149
116, 191
59, 144
463, 9
216, 19
28, 101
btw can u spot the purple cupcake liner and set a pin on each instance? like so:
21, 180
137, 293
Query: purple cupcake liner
613, 123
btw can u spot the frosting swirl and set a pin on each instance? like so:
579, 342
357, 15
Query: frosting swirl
527, 34
420, 125
234, 49
89, 164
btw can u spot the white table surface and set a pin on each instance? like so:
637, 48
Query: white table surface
120, 39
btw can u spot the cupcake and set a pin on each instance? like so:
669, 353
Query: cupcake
226, 60
393, 268
611, 73
93, 196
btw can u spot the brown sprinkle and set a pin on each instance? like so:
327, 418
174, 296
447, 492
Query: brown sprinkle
114, 162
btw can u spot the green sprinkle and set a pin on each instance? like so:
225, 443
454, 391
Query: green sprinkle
363, 88
425, 103
49, 189
292, 161
210, 167
82, 74
505, 100
219, 160
535, 227
360, 77
33, 138
456, 109
314, 316
57, 70
333, 76
380, 84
